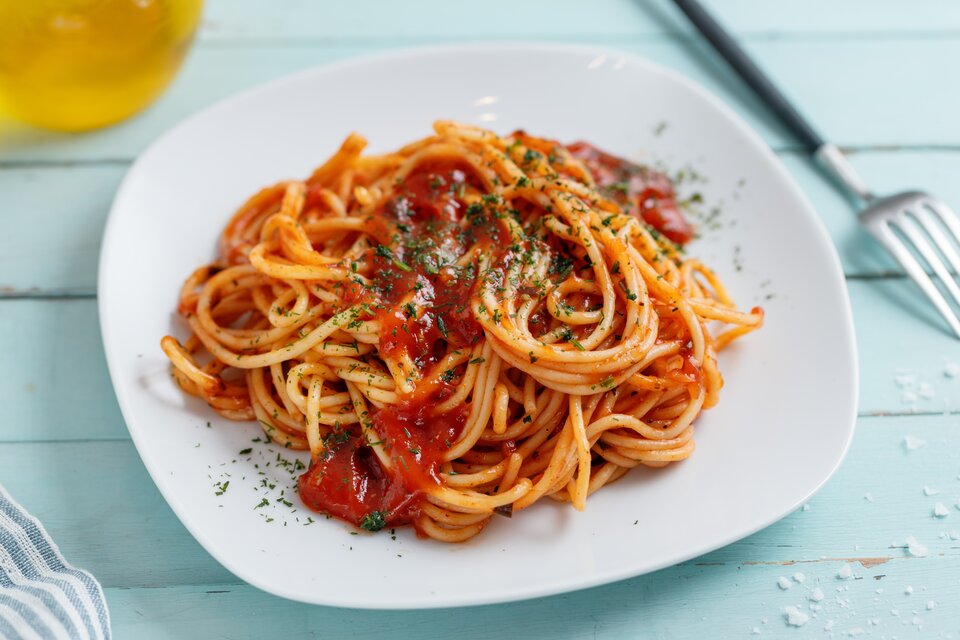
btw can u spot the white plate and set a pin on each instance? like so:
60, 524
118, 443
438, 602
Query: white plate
783, 424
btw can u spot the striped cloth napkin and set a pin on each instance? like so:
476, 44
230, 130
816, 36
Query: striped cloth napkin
41, 594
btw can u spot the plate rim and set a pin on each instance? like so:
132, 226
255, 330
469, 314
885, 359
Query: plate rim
504, 594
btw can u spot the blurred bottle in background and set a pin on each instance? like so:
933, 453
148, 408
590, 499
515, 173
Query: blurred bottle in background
74, 65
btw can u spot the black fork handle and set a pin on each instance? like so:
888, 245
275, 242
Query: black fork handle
727, 47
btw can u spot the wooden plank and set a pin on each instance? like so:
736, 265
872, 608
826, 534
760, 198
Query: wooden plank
245, 20
681, 602
908, 356
63, 209
100, 506
905, 107
54, 383
51, 227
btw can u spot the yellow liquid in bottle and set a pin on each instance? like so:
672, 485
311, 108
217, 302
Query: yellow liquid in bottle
81, 64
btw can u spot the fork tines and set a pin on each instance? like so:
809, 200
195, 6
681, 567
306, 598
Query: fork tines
905, 225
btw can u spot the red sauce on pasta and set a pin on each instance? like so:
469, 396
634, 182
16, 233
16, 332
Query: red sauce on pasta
430, 227
636, 188
423, 222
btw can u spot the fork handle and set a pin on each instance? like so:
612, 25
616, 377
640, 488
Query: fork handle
828, 155
727, 47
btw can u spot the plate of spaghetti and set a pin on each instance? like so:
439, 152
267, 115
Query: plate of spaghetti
389, 342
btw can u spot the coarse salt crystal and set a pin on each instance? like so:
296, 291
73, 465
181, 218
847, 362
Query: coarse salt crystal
845, 572
795, 617
908, 397
954, 535
856, 631
755, 631
905, 380
951, 370
799, 577
783, 583
908, 590
926, 391
868, 497
880, 590
940, 511
911, 443
805, 507
829, 625
817, 594
915, 549
930, 491
931, 605
917, 621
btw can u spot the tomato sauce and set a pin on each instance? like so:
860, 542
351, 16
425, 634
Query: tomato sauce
423, 224
428, 226
349, 482
640, 189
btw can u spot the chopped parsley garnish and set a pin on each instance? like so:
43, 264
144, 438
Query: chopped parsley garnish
374, 521
560, 265
385, 253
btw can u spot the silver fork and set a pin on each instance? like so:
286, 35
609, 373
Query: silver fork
905, 223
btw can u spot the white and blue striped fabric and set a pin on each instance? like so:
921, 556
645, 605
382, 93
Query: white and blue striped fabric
41, 594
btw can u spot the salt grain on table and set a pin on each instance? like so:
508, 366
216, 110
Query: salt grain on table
795, 617
931, 605
845, 572
915, 549
817, 594
940, 511
905, 381
930, 491
799, 577
911, 443
783, 583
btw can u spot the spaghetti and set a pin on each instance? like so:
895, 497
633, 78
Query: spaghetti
460, 328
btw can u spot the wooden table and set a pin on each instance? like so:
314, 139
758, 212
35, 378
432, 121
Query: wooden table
879, 76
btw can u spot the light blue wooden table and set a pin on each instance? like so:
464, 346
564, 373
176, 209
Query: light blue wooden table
882, 77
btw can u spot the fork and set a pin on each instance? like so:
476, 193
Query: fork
904, 223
